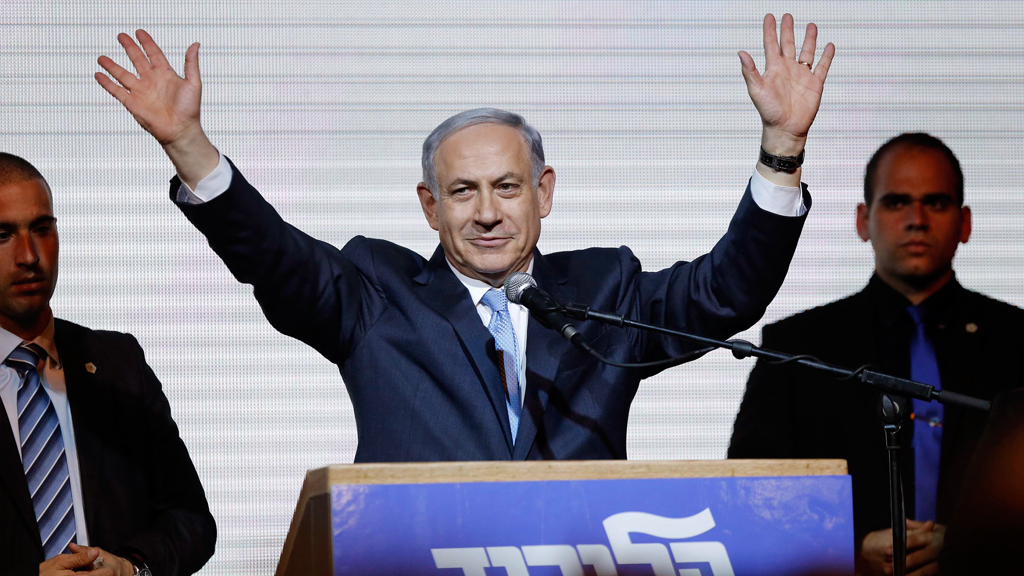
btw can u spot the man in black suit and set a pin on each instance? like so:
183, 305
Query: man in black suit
913, 320
438, 365
93, 475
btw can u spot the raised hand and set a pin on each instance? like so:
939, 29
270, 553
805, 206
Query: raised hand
788, 94
163, 103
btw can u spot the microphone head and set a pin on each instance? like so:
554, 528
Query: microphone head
515, 284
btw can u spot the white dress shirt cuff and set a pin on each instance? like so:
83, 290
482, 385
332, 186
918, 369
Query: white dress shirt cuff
215, 184
781, 200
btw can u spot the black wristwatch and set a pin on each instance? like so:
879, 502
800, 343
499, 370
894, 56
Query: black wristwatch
782, 163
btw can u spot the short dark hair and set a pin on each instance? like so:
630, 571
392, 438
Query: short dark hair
920, 140
14, 169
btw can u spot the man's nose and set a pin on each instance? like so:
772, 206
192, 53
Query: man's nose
25, 253
488, 212
917, 217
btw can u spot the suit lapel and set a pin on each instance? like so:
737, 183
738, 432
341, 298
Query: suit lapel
86, 406
444, 294
12, 474
544, 350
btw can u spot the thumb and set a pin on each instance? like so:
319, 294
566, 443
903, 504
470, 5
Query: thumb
192, 64
82, 558
749, 70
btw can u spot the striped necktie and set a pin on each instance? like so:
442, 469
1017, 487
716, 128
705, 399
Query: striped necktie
505, 341
42, 454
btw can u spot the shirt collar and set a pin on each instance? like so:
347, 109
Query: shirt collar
934, 307
8, 342
477, 288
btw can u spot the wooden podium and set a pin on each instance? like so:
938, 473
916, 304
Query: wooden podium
394, 518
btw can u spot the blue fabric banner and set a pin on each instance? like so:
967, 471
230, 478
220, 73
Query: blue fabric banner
789, 526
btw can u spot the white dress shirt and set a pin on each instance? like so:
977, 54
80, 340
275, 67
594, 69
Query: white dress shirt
518, 313
52, 380
780, 200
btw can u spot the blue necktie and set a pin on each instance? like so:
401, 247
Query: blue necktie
927, 422
42, 454
500, 327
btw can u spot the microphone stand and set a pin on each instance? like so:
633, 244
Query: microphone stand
891, 411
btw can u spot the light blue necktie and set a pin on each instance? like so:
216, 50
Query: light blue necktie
500, 327
42, 454
924, 367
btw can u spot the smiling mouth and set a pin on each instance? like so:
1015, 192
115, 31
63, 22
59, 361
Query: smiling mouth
490, 242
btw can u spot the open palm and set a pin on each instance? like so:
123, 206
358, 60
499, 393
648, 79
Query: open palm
788, 94
164, 104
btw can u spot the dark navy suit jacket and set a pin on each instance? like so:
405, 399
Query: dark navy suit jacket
140, 490
420, 366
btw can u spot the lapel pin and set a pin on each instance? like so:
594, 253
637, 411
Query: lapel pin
90, 367
971, 327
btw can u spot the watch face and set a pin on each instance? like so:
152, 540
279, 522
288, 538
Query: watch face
144, 572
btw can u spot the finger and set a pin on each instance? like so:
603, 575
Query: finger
77, 560
111, 87
772, 53
810, 39
916, 523
924, 556
102, 571
788, 42
135, 53
192, 64
826, 60
126, 78
917, 540
156, 55
926, 570
750, 74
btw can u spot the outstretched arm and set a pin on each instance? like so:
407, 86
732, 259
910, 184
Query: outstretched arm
788, 94
163, 103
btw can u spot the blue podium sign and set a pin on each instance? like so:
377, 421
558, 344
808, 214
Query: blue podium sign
791, 525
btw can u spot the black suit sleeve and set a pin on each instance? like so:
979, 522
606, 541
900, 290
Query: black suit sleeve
181, 532
766, 426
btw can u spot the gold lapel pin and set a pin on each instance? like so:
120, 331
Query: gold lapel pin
971, 327
90, 367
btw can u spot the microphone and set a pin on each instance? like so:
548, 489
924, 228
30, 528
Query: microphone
521, 288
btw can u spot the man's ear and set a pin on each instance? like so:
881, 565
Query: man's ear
546, 190
428, 204
862, 222
965, 225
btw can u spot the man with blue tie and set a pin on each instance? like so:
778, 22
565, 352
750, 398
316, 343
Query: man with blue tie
438, 365
93, 475
912, 320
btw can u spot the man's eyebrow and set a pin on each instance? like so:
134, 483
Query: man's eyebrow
507, 176
460, 182
895, 195
48, 219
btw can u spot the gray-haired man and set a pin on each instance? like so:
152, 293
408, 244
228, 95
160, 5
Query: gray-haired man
438, 365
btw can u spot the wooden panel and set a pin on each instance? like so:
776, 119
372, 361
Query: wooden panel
439, 472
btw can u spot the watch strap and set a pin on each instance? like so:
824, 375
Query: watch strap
782, 163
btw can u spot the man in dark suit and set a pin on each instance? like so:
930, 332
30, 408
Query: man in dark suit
913, 320
90, 459
439, 366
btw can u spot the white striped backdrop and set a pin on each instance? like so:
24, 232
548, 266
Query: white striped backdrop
324, 106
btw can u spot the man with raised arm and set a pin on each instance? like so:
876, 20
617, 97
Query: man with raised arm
438, 364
